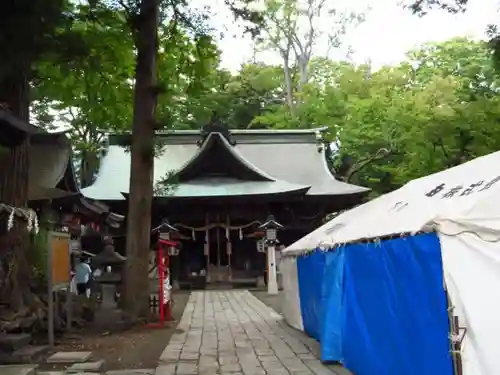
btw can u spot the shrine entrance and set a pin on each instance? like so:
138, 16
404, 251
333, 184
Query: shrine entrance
219, 263
221, 252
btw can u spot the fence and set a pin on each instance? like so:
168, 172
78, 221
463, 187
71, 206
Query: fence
154, 302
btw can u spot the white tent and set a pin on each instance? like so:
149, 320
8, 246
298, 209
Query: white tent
457, 199
462, 204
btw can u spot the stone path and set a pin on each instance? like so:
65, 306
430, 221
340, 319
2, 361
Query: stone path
232, 332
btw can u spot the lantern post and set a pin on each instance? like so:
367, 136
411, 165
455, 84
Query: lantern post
164, 231
271, 227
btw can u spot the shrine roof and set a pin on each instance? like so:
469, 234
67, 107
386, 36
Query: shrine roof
13, 130
51, 173
229, 187
231, 163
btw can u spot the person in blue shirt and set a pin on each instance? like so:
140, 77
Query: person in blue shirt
83, 274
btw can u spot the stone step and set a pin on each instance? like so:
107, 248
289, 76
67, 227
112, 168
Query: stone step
10, 342
87, 367
27, 354
18, 370
69, 357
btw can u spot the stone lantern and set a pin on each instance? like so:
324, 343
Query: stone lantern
110, 264
271, 227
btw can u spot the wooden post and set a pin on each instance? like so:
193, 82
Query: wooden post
228, 249
50, 292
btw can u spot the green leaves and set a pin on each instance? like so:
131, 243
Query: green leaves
93, 94
389, 126
436, 110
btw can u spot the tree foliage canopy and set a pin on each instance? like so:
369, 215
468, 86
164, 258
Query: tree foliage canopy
436, 110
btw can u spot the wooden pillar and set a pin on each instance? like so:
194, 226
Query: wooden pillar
207, 248
217, 233
228, 249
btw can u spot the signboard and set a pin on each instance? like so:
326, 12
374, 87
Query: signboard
59, 246
58, 275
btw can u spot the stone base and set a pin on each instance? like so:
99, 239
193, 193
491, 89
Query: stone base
261, 282
272, 289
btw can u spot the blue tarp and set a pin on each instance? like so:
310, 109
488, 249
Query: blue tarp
394, 307
310, 271
331, 332
320, 289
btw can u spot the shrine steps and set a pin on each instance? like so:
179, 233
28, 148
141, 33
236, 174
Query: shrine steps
17, 348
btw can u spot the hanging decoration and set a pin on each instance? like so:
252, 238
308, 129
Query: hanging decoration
26, 214
224, 225
216, 225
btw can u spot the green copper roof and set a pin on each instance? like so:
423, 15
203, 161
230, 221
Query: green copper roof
228, 187
290, 160
204, 161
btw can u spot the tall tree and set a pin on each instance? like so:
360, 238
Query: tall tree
143, 17
386, 127
28, 29
92, 94
292, 29
423, 7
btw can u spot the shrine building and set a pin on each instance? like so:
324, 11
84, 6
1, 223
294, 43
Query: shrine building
224, 184
52, 186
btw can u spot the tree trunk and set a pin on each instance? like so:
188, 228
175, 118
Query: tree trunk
303, 66
15, 270
288, 84
88, 167
136, 296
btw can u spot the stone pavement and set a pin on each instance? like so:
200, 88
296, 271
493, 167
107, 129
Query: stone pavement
232, 332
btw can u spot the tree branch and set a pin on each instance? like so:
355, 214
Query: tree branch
379, 155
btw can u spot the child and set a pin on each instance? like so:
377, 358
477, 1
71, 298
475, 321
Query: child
83, 274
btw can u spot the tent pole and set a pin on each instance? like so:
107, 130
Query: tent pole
453, 334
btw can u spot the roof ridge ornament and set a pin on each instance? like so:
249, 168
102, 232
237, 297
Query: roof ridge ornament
215, 125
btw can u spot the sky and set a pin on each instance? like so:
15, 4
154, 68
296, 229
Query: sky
387, 33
